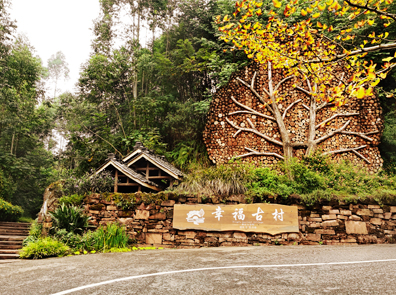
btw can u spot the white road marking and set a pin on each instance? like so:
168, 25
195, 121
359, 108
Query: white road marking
215, 268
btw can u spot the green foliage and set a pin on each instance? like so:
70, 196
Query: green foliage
86, 184
34, 233
75, 200
9, 212
111, 236
318, 178
70, 218
43, 248
221, 180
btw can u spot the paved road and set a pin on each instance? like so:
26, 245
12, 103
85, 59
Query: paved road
364, 269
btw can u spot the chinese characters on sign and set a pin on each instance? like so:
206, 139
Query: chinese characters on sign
268, 218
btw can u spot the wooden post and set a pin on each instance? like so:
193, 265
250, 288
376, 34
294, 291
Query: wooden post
116, 181
140, 188
147, 170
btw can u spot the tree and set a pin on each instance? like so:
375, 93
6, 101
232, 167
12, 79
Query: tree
260, 115
57, 68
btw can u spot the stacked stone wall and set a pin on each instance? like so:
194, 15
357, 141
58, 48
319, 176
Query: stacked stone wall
329, 224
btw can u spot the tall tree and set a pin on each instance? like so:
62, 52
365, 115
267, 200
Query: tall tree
57, 68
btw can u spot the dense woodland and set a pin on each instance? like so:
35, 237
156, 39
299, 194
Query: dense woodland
158, 94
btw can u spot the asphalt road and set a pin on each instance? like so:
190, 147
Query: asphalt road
363, 269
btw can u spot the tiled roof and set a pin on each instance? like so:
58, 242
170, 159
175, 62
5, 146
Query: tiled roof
159, 160
128, 172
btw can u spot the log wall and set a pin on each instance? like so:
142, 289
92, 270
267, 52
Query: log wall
222, 144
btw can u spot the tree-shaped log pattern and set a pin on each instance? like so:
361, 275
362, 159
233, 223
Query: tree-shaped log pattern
260, 117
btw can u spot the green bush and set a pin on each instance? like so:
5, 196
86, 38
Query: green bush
74, 199
34, 233
70, 218
43, 248
88, 183
9, 212
112, 236
317, 178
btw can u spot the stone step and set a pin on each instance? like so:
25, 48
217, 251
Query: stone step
5, 243
11, 246
9, 256
6, 227
12, 238
9, 251
15, 224
14, 232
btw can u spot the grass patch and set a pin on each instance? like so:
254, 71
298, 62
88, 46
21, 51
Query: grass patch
314, 179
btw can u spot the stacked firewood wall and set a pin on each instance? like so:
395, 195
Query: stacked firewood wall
357, 143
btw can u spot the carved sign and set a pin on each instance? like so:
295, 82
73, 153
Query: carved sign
262, 218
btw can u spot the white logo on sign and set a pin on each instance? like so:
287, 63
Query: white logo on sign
258, 216
218, 213
278, 215
196, 216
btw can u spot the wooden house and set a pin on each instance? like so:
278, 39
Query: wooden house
141, 171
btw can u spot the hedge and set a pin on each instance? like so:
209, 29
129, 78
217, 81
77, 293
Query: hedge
9, 212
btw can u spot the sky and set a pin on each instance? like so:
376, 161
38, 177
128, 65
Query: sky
58, 25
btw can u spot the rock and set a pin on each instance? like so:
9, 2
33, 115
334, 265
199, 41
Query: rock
153, 238
159, 216
365, 212
142, 214
238, 235
168, 203
313, 237
325, 231
326, 208
330, 223
356, 227
329, 217
346, 212
374, 206
354, 218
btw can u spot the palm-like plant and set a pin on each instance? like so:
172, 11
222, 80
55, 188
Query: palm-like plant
70, 218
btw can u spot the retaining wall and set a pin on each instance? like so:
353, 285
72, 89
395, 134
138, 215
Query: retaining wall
328, 223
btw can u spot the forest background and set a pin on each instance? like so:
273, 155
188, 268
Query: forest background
158, 94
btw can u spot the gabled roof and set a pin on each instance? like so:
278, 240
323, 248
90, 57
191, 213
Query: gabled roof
135, 176
141, 152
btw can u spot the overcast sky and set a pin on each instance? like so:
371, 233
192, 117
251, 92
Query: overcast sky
58, 25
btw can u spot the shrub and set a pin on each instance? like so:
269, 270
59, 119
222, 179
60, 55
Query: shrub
34, 233
9, 212
88, 183
112, 236
72, 240
70, 218
74, 199
43, 248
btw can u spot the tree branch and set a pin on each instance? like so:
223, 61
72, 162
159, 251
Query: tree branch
332, 133
254, 130
362, 135
253, 90
376, 11
335, 116
282, 81
250, 110
256, 153
289, 107
354, 150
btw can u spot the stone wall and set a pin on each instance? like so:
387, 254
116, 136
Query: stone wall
329, 224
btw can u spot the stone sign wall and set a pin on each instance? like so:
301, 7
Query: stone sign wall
330, 224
